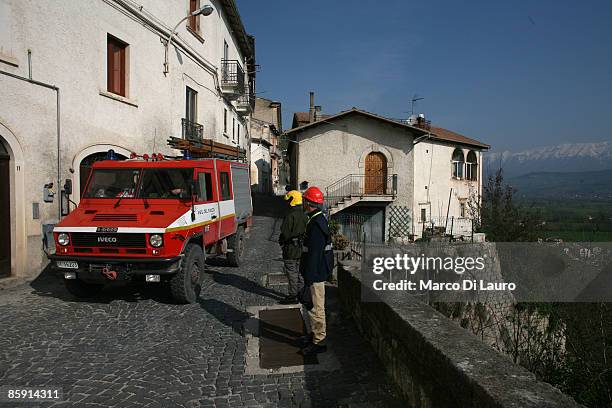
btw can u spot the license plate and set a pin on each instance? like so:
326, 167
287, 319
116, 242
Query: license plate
67, 264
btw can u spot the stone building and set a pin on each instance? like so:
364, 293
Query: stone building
77, 80
398, 177
266, 126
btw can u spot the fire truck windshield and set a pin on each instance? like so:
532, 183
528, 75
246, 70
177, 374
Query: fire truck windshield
166, 183
125, 183
113, 183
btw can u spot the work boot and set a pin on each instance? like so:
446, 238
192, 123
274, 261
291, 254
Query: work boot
313, 349
288, 300
305, 340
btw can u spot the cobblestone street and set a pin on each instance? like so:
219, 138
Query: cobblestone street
132, 347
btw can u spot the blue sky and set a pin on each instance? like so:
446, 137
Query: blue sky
514, 74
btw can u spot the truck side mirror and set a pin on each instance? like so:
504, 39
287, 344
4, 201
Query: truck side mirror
68, 187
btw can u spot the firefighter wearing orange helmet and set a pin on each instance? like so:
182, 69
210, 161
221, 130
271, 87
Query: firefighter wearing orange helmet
316, 265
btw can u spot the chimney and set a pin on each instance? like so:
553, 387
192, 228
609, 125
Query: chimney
317, 114
311, 111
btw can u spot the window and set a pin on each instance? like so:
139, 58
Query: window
225, 122
225, 50
116, 66
194, 21
423, 215
238, 133
205, 192
113, 183
471, 166
166, 183
191, 104
233, 129
462, 210
457, 164
225, 186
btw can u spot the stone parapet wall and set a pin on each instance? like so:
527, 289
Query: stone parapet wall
435, 362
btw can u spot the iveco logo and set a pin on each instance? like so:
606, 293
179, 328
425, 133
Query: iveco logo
108, 240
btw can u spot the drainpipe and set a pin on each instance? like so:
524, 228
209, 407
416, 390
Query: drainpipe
58, 127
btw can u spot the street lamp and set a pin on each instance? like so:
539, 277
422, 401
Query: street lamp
203, 11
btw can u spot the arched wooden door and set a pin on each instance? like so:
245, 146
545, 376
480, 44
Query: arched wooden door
375, 173
5, 213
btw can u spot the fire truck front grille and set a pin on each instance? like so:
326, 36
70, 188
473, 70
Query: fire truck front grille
115, 217
85, 239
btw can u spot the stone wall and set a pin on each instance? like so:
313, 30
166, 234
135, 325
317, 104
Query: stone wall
435, 362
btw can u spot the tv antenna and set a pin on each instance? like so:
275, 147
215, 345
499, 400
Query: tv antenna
415, 99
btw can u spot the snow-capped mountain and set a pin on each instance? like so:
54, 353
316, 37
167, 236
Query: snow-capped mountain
568, 157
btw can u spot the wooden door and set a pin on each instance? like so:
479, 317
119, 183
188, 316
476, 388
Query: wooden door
5, 214
375, 173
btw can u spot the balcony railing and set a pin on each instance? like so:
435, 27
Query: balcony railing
232, 76
245, 103
192, 131
360, 185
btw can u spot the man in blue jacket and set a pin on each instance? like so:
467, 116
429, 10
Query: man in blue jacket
315, 266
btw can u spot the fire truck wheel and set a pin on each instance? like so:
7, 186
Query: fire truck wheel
82, 289
186, 284
236, 244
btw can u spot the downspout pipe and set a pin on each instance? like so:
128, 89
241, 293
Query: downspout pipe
58, 125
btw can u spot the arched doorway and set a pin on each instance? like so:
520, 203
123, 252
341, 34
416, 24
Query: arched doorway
85, 167
5, 212
375, 173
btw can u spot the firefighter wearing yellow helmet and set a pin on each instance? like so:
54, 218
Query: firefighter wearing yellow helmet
293, 198
290, 239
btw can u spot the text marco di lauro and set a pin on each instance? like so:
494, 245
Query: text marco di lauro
405, 284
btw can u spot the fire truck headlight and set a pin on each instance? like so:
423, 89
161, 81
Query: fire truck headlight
156, 240
63, 239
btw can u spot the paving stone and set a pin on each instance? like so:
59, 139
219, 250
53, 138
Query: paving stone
132, 347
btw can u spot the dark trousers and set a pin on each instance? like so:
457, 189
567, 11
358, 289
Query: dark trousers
294, 278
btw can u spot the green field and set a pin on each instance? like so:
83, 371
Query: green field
571, 219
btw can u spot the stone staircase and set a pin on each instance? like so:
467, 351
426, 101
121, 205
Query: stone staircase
355, 188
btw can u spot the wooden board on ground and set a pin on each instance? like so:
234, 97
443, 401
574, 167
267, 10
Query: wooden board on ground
279, 330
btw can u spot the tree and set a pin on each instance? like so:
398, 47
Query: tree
499, 217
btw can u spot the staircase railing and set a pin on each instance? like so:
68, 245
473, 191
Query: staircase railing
360, 185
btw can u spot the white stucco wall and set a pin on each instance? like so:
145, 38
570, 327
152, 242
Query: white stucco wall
261, 158
261, 168
434, 181
68, 44
329, 152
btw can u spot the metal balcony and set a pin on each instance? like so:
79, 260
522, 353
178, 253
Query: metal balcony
355, 188
192, 131
245, 104
232, 79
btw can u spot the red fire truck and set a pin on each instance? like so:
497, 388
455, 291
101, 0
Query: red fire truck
154, 219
